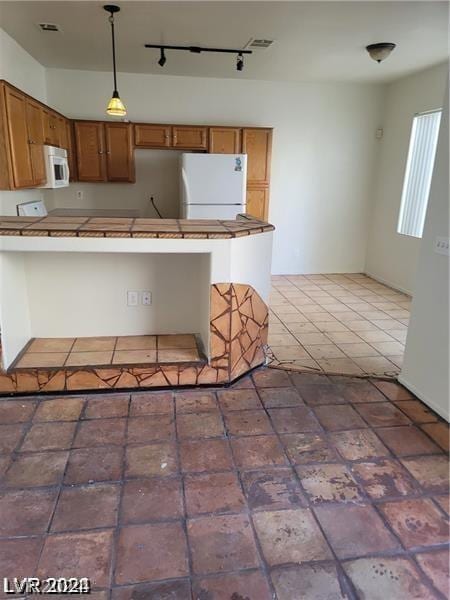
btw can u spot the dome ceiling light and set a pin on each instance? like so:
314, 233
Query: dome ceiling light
380, 51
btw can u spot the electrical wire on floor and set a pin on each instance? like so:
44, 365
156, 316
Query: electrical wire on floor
152, 202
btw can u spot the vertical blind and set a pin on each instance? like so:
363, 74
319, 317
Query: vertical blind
419, 169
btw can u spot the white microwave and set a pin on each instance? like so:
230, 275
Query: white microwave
56, 167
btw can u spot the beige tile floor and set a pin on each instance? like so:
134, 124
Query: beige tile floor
109, 350
344, 323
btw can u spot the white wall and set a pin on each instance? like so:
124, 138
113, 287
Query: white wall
22, 70
392, 257
426, 365
323, 149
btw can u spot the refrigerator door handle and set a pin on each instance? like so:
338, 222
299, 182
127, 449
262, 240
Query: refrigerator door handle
186, 187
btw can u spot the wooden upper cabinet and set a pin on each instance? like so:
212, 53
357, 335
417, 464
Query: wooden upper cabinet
189, 138
119, 152
224, 140
152, 136
257, 144
63, 139
90, 149
51, 127
35, 124
16, 109
71, 154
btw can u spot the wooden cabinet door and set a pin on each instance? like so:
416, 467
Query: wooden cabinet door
224, 140
152, 136
90, 150
189, 138
51, 128
16, 109
35, 124
119, 152
61, 124
257, 144
257, 203
71, 155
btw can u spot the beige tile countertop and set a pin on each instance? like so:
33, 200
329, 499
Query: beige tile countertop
84, 226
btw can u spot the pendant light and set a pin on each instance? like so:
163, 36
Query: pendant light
116, 107
380, 51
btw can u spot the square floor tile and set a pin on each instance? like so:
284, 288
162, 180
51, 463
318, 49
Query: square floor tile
221, 543
147, 429
100, 432
345, 366
94, 464
32, 470
324, 351
272, 489
94, 344
417, 411
257, 451
271, 378
360, 392
122, 357
231, 400
340, 417
213, 493
152, 459
149, 403
316, 394
290, 536
26, 512
286, 353
48, 436
154, 551
417, 522
20, 556
385, 479
358, 444
176, 341
136, 342
393, 390
104, 406
200, 425
205, 455
246, 584
86, 554
247, 422
407, 441
282, 340
86, 507
308, 581
304, 448
298, 419
280, 397
355, 531
191, 402
177, 589
34, 360
151, 500
59, 409
436, 567
51, 345
382, 414
386, 577
78, 359
16, 411
178, 355
432, 472
439, 432
329, 483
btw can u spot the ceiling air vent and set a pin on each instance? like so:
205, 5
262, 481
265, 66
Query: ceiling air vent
259, 43
49, 27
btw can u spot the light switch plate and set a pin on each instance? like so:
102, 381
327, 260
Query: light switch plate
132, 298
146, 298
442, 245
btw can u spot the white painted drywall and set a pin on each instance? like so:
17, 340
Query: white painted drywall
392, 257
426, 363
323, 150
22, 70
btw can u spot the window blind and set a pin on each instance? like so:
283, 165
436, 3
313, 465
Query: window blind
418, 173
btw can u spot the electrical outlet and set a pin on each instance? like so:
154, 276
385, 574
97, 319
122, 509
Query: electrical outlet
146, 298
132, 298
79, 195
442, 245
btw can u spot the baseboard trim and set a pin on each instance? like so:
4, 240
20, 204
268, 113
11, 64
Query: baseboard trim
412, 388
388, 283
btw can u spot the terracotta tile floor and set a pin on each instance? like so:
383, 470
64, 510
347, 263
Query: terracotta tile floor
110, 350
285, 486
348, 324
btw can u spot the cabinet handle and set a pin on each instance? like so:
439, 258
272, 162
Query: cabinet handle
100, 152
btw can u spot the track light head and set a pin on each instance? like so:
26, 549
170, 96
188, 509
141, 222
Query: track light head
162, 60
240, 62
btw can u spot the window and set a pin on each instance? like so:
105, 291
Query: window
419, 169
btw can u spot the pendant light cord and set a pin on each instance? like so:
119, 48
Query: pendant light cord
111, 20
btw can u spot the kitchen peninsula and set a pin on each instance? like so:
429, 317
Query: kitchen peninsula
92, 303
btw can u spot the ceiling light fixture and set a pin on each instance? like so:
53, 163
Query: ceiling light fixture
199, 50
116, 107
162, 60
380, 51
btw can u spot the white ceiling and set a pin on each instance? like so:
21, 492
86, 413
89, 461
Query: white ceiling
317, 41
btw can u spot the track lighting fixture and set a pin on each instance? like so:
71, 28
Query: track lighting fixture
162, 60
380, 51
199, 50
116, 107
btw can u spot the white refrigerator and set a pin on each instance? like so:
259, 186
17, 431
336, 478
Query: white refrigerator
213, 185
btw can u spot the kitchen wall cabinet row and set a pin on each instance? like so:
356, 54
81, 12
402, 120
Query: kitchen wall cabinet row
103, 151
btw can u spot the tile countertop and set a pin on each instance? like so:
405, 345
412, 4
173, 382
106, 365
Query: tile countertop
84, 226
